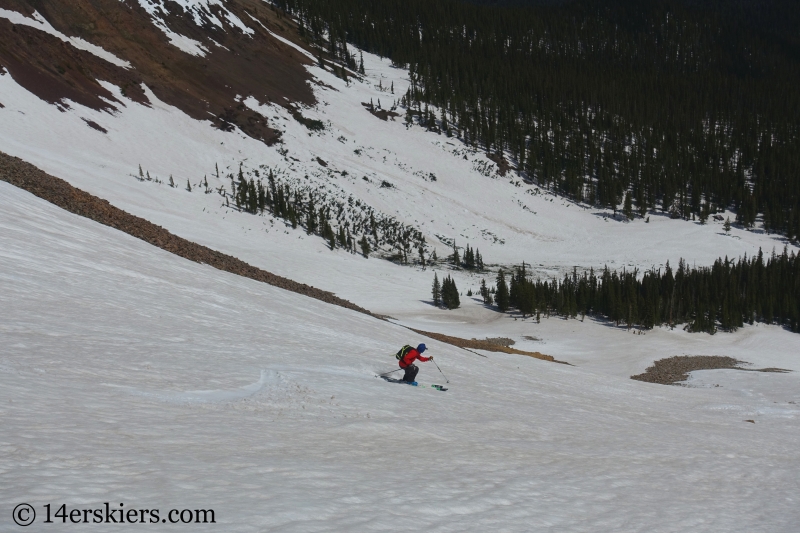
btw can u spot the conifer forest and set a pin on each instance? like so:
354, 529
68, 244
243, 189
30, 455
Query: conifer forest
686, 108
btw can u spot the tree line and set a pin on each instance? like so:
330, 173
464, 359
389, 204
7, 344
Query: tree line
724, 296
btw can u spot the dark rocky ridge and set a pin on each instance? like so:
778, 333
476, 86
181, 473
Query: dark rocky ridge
205, 88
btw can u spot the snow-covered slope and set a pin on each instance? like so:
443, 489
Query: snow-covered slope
129, 375
507, 220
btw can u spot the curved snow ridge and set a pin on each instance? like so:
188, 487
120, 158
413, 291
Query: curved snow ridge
207, 396
40, 23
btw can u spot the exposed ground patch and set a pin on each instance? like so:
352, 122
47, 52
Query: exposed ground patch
489, 345
676, 369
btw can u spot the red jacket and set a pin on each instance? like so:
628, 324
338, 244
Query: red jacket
412, 356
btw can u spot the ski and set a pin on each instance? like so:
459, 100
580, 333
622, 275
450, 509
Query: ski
415, 383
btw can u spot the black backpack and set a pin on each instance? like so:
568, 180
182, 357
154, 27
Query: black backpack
403, 352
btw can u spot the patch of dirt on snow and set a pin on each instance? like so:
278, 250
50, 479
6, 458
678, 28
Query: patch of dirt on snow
57, 191
500, 341
503, 165
94, 125
673, 370
486, 345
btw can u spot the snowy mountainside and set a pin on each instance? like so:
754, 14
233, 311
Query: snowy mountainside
428, 184
185, 387
358, 165
130, 373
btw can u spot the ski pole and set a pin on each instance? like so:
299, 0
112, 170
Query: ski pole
392, 372
440, 370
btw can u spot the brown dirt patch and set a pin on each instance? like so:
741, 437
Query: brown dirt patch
676, 369
57, 191
483, 345
500, 341
503, 165
94, 125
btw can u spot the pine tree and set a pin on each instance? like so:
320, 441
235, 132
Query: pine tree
364, 243
171, 182
485, 293
727, 225
501, 296
450, 297
188, 186
469, 258
436, 291
628, 208
141, 174
456, 260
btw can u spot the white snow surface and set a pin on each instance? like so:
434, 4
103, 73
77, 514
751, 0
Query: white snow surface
40, 23
131, 375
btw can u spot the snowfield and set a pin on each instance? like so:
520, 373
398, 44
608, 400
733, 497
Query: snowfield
130, 375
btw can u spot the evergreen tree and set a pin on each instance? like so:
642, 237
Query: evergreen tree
469, 258
450, 297
436, 291
364, 243
485, 293
727, 225
501, 296
628, 207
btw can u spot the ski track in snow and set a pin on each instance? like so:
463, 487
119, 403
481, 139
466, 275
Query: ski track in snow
128, 372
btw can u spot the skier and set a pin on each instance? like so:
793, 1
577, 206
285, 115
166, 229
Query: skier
406, 356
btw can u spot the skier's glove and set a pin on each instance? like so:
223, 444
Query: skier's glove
430, 357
